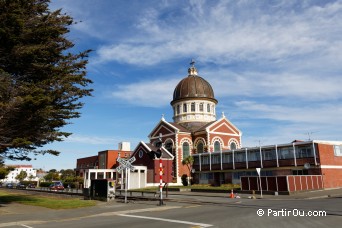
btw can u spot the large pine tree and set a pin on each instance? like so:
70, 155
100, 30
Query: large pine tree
41, 78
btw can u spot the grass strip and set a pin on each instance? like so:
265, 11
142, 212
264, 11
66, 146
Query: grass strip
44, 201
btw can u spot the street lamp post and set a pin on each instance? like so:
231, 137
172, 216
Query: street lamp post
258, 171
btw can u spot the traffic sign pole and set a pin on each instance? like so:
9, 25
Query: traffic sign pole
126, 186
161, 181
125, 165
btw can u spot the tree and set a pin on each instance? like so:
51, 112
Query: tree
68, 175
52, 176
21, 176
41, 80
4, 171
189, 161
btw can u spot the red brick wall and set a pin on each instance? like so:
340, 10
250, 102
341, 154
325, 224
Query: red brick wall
86, 161
327, 156
332, 178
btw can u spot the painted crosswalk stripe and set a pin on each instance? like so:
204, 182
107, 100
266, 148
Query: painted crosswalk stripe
167, 220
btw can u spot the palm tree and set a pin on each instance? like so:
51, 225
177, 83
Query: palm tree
189, 161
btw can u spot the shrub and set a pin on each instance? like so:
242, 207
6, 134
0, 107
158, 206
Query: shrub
185, 180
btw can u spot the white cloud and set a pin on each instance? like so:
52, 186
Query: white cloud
330, 114
93, 140
148, 93
277, 84
222, 33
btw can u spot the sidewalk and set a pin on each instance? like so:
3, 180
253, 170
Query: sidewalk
301, 195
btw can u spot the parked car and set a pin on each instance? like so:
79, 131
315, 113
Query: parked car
56, 187
31, 185
9, 185
21, 186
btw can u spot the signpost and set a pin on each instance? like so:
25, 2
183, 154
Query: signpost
258, 171
125, 164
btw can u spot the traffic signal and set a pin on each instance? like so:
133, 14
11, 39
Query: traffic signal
158, 153
155, 154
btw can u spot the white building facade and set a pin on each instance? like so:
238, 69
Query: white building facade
31, 174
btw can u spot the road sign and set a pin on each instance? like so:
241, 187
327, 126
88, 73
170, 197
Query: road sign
125, 164
119, 168
131, 160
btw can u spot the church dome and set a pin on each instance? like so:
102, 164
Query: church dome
193, 87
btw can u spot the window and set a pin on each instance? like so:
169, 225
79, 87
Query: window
205, 160
216, 159
268, 154
338, 150
141, 153
186, 150
185, 108
217, 146
168, 146
285, 153
192, 106
201, 107
200, 147
178, 109
303, 152
233, 146
227, 158
240, 157
254, 155
208, 107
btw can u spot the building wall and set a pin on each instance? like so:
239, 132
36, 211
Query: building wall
167, 171
327, 156
87, 162
331, 166
11, 177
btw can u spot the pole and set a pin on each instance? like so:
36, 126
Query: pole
260, 186
161, 181
126, 185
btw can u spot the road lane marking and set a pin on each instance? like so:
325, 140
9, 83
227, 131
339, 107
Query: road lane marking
26, 226
166, 220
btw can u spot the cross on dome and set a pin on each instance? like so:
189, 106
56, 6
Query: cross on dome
192, 70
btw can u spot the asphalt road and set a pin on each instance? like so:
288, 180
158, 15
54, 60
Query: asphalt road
183, 211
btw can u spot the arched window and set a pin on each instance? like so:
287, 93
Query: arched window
201, 107
217, 146
186, 150
192, 106
168, 146
200, 148
185, 108
233, 146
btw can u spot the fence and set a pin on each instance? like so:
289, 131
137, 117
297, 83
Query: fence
290, 183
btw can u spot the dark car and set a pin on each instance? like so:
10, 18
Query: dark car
21, 186
9, 185
56, 187
31, 186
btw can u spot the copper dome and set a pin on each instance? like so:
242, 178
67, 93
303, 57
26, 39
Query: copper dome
193, 86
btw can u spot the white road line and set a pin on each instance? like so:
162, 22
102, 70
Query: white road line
167, 220
26, 226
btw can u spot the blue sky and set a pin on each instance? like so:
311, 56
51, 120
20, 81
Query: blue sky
275, 67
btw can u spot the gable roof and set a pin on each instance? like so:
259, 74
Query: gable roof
167, 125
149, 148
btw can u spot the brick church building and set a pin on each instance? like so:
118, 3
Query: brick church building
194, 130
216, 148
